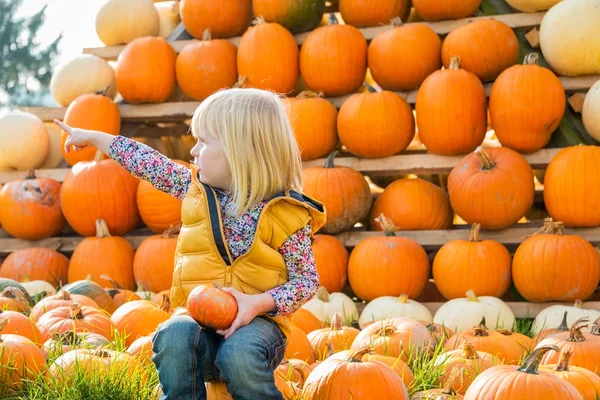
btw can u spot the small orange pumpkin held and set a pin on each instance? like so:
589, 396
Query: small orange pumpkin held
30, 208
585, 381
212, 307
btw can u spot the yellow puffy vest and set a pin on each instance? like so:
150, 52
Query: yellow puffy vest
202, 256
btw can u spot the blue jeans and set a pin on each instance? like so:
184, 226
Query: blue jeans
186, 355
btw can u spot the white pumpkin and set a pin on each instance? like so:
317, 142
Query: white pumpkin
325, 305
531, 6
591, 111
387, 307
552, 316
83, 74
570, 37
24, 141
168, 13
35, 288
464, 313
54, 156
121, 21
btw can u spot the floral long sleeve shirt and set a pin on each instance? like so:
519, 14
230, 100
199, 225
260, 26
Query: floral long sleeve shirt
146, 163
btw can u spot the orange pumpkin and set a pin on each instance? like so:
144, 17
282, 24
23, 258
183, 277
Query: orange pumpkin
375, 124
413, 204
145, 70
314, 121
212, 307
567, 264
30, 208
112, 255
290, 388
523, 121
90, 111
306, 321
36, 263
481, 266
224, 19
570, 186
204, 67
153, 262
493, 187
375, 260
451, 111
139, 318
268, 57
158, 209
395, 337
344, 192
402, 57
338, 336
363, 13
331, 259
294, 371
462, 366
61, 299
217, 391
141, 349
438, 10
19, 324
89, 193
88, 288
585, 381
299, 346
119, 295
485, 48
20, 359
333, 59
394, 363
13, 299
76, 318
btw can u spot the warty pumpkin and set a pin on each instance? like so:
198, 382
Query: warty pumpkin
437, 10
568, 265
139, 318
206, 66
344, 192
375, 124
145, 70
331, 260
154, 261
527, 103
223, 18
492, 186
402, 57
485, 47
338, 336
76, 318
462, 366
296, 15
585, 381
36, 263
88, 193
451, 111
363, 13
121, 21
62, 299
333, 59
481, 266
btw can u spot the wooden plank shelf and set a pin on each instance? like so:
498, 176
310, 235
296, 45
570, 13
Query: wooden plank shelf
419, 163
181, 111
515, 21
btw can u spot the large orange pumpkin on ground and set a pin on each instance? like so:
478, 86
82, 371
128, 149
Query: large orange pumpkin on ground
30, 208
111, 255
491, 186
413, 204
402, 57
344, 192
90, 111
36, 263
61, 299
223, 18
89, 193
527, 104
268, 57
13, 299
331, 259
154, 261
375, 124
145, 70
568, 265
585, 381
335, 338
333, 59
363, 13
438, 10
78, 318
451, 111
19, 324
139, 318
299, 346
314, 121
206, 66
572, 186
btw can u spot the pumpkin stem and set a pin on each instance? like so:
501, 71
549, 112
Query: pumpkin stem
165, 304
403, 298
99, 156
386, 330
486, 162
14, 293
532, 362
469, 352
241, 82
474, 232
358, 354
551, 228
30, 174
370, 88
387, 224
112, 281
171, 232
397, 22
532, 59
575, 332
76, 312
482, 323
308, 94
563, 361
595, 327
206, 35
323, 294
332, 19
89, 277
259, 20
103, 92
454, 62
140, 286
504, 332
217, 285
471, 296
563, 327
578, 304
480, 331
102, 229
336, 322
68, 338
100, 352
64, 295
329, 162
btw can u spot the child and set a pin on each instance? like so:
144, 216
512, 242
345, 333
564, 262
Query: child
244, 226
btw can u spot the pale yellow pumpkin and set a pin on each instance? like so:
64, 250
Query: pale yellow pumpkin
531, 6
54, 156
591, 111
168, 13
24, 141
121, 21
83, 74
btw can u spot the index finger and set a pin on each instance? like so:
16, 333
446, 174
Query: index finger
64, 126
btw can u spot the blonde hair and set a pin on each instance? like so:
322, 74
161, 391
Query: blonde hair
257, 142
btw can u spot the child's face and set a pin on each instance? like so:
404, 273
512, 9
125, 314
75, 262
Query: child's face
213, 167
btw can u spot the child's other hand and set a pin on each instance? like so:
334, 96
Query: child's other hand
78, 138
249, 306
